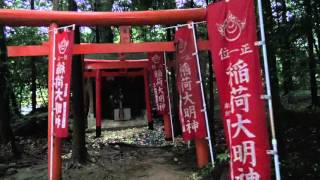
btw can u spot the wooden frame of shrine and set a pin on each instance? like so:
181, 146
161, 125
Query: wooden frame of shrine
95, 68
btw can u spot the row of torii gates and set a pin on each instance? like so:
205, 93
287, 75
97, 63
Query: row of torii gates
95, 68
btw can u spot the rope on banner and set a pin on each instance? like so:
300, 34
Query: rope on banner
268, 96
169, 101
64, 27
182, 25
259, 43
191, 25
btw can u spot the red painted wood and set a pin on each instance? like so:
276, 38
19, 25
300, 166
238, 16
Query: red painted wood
98, 99
123, 48
114, 61
114, 74
44, 18
202, 151
32, 50
147, 96
167, 126
105, 48
117, 65
56, 163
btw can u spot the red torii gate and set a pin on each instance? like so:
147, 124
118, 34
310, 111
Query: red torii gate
97, 66
52, 18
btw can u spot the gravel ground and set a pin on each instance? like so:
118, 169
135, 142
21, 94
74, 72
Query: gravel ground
133, 153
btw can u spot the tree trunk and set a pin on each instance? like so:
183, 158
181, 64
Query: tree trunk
211, 98
6, 134
278, 109
79, 150
97, 33
172, 81
269, 24
285, 47
104, 34
317, 25
88, 101
312, 63
211, 90
33, 76
89, 90
14, 105
33, 84
175, 95
55, 5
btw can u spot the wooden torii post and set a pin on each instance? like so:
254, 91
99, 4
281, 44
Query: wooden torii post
52, 18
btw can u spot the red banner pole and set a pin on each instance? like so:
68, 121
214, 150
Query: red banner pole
202, 152
167, 127
98, 103
54, 161
203, 98
147, 99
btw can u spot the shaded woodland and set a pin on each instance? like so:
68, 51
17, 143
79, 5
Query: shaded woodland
293, 41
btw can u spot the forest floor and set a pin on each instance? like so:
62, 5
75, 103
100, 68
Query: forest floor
138, 153
133, 153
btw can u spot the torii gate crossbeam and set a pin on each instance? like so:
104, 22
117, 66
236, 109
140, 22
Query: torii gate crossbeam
45, 18
102, 48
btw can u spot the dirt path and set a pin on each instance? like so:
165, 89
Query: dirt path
133, 153
117, 162
159, 164
133, 163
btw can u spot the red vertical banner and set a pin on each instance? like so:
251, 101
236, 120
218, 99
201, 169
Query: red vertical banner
159, 81
232, 34
190, 106
62, 76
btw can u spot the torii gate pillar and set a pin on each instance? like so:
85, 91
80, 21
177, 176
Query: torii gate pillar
202, 152
167, 127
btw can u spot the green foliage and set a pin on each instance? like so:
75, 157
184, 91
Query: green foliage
290, 42
223, 157
208, 171
20, 69
203, 173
